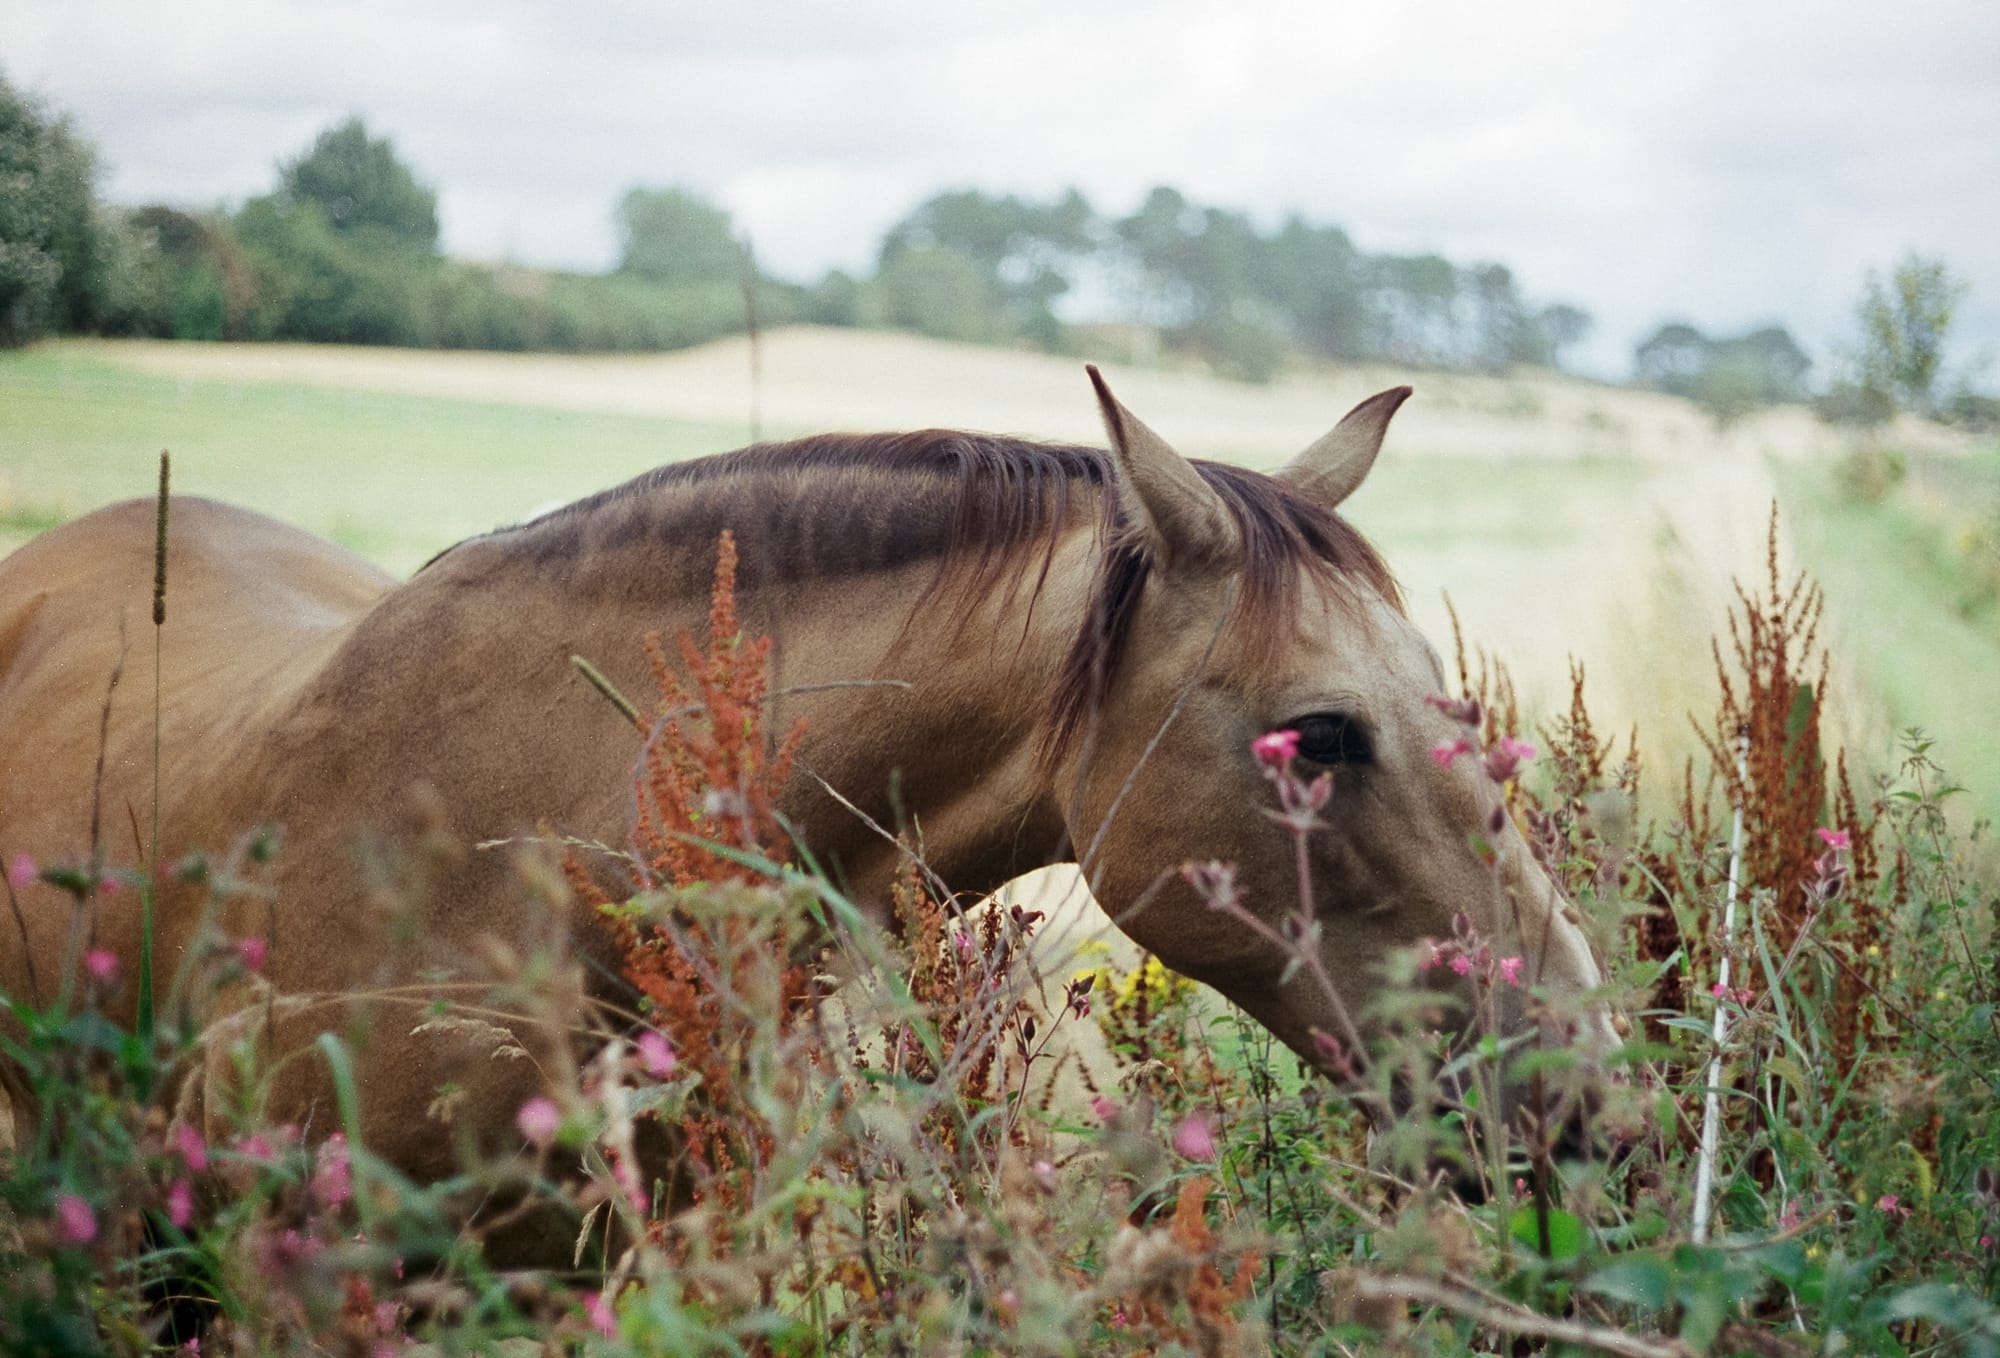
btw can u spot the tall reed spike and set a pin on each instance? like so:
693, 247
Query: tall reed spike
160, 550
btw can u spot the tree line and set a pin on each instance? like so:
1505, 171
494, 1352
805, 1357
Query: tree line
344, 249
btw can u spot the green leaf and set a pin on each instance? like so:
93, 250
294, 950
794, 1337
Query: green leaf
1784, 1260
1703, 1309
1635, 1280
1566, 1234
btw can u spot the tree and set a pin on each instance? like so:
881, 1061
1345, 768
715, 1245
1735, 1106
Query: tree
677, 238
1777, 365
1562, 325
1315, 277
362, 188
50, 252
1727, 377
1904, 321
938, 291
1413, 299
1024, 251
1671, 359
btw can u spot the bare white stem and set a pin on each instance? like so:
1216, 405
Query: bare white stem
1711, 1113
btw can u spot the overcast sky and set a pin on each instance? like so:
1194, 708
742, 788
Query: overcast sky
1729, 163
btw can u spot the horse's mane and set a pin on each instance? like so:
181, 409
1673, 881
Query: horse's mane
978, 505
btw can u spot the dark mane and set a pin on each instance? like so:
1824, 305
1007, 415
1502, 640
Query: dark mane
983, 507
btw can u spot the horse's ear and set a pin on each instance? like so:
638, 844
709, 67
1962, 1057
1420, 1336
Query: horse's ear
1178, 515
1329, 471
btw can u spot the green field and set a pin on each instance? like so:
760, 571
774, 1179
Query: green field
393, 477
1912, 613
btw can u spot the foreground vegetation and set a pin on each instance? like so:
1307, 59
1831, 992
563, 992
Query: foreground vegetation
876, 1167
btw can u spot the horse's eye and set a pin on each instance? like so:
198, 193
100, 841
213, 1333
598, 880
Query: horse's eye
1333, 738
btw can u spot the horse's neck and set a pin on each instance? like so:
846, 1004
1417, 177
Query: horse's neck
928, 729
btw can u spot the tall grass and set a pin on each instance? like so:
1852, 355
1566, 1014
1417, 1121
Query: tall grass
809, 1132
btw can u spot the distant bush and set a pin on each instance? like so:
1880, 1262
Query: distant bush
1972, 410
1855, 403
1872, 472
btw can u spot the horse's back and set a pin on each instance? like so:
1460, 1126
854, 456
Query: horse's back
254, 607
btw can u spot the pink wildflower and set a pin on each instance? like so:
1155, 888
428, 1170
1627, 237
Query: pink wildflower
1104, 1108
1443, 755
333, 1178
1194, 1139
539, 1120
1119, 1320
22, 871
1464, 711
1505, 758
1890, 1204
1433, 954
1833, 839
1510, 970
251, 952
102, 964
194, 1151
656, 1054
603, 1318
1461, 964
1986, 1242
1719, 990
280, 1255
256, 1147
1275, 749
76, 1223
1332, 1056
180, 1203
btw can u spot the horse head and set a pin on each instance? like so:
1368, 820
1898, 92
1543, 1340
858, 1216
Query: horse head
1234, 634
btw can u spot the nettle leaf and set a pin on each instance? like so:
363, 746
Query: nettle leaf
1637, 1280
1784, 1260
1566, 1233
1703, 1309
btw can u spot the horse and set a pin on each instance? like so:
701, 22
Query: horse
1036, 653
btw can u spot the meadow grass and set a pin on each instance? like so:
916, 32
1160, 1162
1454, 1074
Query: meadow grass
1905, 617
392, 477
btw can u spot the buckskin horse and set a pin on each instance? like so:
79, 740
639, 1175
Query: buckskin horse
1087, 643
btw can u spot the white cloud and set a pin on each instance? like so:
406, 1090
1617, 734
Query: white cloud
1727, 162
